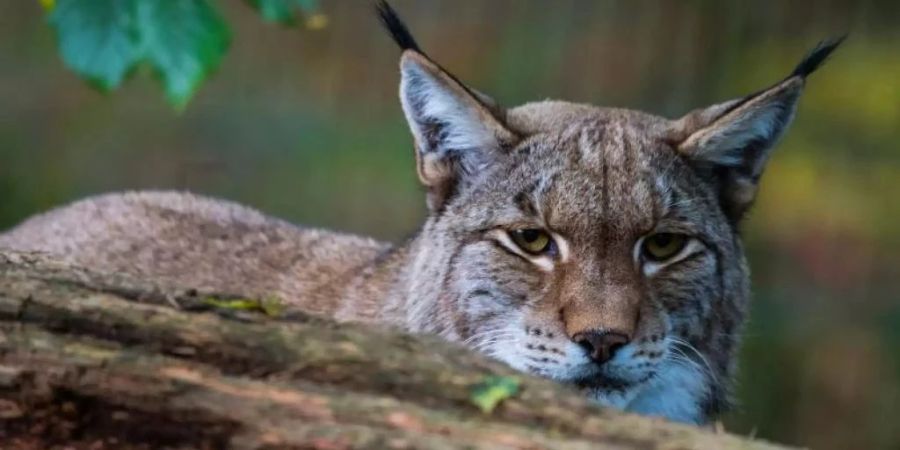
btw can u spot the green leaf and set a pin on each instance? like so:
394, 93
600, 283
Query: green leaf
184, 40
283, 11
103, 40
493, 390
271, 306
97, 39
239, 304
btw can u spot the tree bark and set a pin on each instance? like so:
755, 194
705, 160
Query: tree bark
91, 360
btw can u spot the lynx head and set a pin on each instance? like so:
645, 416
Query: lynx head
594, 246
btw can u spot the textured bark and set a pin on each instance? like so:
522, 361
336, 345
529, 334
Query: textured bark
93, 360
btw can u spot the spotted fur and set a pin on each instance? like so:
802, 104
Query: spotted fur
599, 180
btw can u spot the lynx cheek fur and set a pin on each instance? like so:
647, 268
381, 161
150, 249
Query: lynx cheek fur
594, 246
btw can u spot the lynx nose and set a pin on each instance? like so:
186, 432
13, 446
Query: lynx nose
600, 345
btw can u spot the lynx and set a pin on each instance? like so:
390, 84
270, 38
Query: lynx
598, 247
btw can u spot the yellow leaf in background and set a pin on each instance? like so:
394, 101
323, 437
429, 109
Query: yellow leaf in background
48, 4
316, 21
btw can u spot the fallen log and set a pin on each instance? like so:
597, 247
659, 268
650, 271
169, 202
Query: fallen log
95, 361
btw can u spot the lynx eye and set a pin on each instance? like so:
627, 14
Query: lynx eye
532, 240
662, 246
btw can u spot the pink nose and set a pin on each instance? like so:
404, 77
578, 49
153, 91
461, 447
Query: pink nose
601, 346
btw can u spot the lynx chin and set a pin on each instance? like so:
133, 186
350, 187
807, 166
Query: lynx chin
598, 247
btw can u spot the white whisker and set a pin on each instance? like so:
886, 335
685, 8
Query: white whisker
487, 335
679, 344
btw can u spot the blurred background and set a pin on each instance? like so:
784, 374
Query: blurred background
305, 124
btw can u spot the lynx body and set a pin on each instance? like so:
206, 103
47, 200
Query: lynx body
597, 247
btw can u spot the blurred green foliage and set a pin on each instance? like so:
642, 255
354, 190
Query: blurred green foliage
304, 123
283, 11
183, 41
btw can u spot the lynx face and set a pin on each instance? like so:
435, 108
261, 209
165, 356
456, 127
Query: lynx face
593, 246
591, 253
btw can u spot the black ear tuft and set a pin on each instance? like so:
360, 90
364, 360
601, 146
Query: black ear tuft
395, 26
816, 57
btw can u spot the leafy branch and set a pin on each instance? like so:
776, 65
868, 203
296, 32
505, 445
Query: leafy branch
183, 41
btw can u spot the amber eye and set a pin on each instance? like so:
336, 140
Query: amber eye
532, 240
662, 246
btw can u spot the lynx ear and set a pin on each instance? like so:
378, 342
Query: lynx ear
731, 141
457, 131
456, 134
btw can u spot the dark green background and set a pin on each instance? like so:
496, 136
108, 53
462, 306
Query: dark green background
305, 125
